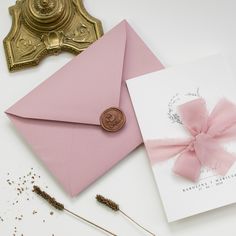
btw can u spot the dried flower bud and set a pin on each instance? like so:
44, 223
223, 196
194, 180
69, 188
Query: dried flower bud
115, 207
52, 201
107, 202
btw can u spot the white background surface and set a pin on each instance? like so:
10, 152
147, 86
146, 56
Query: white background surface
176, 31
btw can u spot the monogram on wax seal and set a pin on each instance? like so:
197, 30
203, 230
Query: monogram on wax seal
112, 119
44, 27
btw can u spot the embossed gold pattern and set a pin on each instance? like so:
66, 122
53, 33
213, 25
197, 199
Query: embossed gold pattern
43, 27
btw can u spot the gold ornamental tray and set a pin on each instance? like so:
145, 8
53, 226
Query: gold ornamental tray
45, 27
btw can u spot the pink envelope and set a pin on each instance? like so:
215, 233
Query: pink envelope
60, 119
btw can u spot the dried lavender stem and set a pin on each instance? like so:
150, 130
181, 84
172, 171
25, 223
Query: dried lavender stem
136, 222
89, 222
57, 205
115, 207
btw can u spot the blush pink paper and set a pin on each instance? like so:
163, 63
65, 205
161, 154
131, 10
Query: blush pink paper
204, 147
60, 118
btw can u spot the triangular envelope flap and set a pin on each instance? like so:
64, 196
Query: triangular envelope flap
82, 89
139, 59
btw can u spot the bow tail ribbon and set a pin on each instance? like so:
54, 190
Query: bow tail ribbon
212, 154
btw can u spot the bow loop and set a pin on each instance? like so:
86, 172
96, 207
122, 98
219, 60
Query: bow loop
222, 119
194, 116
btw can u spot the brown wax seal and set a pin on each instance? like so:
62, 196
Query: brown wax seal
112, 119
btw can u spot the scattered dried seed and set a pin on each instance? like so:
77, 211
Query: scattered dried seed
22, 186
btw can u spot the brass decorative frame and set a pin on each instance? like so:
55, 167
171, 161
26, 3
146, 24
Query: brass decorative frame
45, 27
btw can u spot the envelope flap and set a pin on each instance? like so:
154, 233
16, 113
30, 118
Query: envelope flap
82, 89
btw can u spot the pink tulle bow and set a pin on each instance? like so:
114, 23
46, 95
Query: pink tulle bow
204, 147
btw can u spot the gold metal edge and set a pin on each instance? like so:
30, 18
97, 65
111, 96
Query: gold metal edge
7, 39
13, 66
94, 20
